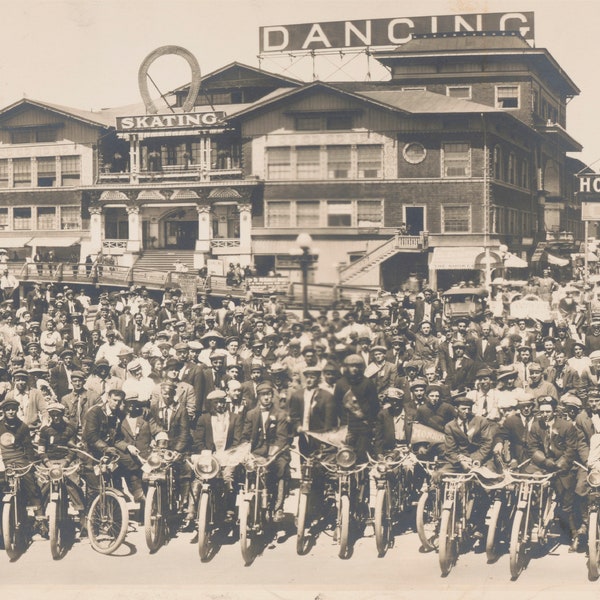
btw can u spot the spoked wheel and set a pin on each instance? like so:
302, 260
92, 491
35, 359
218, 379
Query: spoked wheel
107, 522
206, 526
448, 551
493, 533
57, 523
428, 518
594, 546
344, 527
383, 521
12, 530
518, 544
246, 514
154, 520
302, 539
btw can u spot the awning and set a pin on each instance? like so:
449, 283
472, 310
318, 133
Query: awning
557, 260
512, 261
15, 242
53, 242
459, 258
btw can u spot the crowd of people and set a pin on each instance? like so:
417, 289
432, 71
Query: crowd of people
212, 374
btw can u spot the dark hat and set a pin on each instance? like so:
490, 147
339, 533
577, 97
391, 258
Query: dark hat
546, 400
264, 386
9, 402
20, 373
418, 382
66, 352
231, 338
77, 375
458, 344
354, 359
535, 366
484, 372
379, 348
168, 385
172, 363
331, 368
459, 397
433, 387
102, 363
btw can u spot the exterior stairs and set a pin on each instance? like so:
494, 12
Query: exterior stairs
163, 260
398, 243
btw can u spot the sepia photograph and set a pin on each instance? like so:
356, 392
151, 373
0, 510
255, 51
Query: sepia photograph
299, 300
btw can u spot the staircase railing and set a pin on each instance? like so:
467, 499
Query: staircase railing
379, 254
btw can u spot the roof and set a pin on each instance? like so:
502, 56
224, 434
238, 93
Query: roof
93, 118
423, 102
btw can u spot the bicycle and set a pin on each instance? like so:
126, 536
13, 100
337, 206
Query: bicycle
352, 499
536, 502
254, 501
61, 526
16, 528
395, 493
108, 517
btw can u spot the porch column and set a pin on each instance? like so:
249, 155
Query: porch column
135, 229
134, 158
245, 210
204, 235
95, 229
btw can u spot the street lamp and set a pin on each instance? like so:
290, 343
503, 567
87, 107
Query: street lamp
305, 259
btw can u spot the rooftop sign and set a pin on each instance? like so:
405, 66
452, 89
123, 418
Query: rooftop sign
385, 32
171, 121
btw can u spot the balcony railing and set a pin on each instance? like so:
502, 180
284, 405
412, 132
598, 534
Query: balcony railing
114, 246
224, 245
172, 173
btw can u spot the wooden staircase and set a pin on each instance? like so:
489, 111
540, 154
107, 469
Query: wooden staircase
163, 260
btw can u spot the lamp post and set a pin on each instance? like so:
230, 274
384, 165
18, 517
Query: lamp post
305, 259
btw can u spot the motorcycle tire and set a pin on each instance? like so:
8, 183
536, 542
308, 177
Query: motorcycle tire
302, 542
246, 516
107, 521
154, 520
206, 526
12, 530
427, 519
518, 546
57, 523
594, 546
448, 551
383, 521
344, 527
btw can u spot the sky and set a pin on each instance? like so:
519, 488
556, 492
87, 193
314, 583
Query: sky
86, 53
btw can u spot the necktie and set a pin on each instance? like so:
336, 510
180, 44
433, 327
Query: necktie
464, 426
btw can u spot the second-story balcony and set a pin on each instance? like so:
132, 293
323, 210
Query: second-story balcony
170, 173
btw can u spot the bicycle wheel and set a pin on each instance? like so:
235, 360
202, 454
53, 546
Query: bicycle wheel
107, 521
383, 521
302, 542
344, 527
154, 524
11, 529
205, 526
246, 515
493, 532
594, 546
518, 544
448, 552
427, 519
57, 522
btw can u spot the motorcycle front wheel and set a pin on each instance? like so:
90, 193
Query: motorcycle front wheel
448, 552
428, 519
594, 546
344, 527
246, 515
206, 526
154, 520
57, 523
383, 521
518, 544
12, 530
107, 521
302, 542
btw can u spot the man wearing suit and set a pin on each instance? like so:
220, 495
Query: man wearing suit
460, 369
311, 409
76, 330
60, 376
190, 373
135, 333
382, 372
257, 375
266, 428
553, 443
390, 425
487, 348
213, 377
511, 439
78, 402
238, 325
72, 305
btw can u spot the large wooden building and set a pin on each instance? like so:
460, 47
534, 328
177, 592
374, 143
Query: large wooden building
463, 149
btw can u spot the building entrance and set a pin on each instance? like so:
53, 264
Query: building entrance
181, 234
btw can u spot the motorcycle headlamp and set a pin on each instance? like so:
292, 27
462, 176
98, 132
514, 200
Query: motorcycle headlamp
7, 440
345, 458
593, 478
381, 467
155, 460
206, 469
55, 473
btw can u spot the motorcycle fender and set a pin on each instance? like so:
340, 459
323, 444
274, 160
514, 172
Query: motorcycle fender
522, 504
6, 498
54, 496
447, 504
243, 497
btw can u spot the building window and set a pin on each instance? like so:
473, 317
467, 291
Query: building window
309, 123
21, 136
70, 217
339, 213
369, 160
507, 96
3, 218
3, 173
46, 217
278, 163
338, 162
512, 169
71, 170
279, 214
21, 218
338, 122
415, 88
369, 213
308, 162
459, 91
45, 135
414, 153
524, 174
456, 159
46, 172
22, 172
498, 168
456, 218
307, 214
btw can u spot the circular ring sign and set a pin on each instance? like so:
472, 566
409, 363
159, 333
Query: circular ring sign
163, 51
